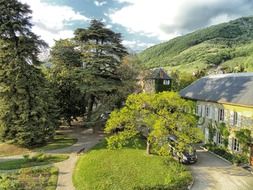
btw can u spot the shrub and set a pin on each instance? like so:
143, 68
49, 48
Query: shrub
234, 158
8, 183
26, 156
30, 179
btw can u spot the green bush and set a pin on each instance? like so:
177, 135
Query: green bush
234, 158
30, 179
240, 159
7, 183
26, 156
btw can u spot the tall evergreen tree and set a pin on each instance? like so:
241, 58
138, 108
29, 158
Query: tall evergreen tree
102, 53
66, 79
27, 112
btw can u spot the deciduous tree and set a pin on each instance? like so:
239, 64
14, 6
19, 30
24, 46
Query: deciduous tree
155, 116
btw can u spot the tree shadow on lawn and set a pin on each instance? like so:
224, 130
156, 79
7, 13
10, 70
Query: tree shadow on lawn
134, 143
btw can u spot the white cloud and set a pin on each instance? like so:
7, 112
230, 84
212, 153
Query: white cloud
136, 44
50, 21
166, 19
145, 16
221, 18
100, 3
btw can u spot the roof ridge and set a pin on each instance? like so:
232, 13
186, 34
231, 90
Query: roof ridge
244, 74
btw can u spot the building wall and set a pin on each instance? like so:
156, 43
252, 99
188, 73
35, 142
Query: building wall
149, 86
155, 85
235, 117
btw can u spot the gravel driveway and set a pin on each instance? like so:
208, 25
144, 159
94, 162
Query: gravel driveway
210, 172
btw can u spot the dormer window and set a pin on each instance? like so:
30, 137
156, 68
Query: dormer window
166, 82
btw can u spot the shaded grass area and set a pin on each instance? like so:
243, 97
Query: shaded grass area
11, 149
37, 160
30, 179
59, 141
128, 168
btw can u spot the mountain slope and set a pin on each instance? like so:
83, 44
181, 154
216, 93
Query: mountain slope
228, 45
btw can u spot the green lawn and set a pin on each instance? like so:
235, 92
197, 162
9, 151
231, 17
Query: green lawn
127, 169
37, 160
59, 141
30, 179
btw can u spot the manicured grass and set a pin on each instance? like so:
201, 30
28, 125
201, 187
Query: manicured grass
37, 160
60, 141
127, 169
30, 179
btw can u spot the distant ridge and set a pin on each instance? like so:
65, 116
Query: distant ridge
226, 46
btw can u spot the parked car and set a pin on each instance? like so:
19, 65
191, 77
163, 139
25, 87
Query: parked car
188, 156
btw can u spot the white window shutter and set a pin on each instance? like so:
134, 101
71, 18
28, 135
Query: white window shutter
203, 110
215, 137
210, 112
231, 118
230, 143
226, 116
239, 120
206, 134
216, 114
199, 110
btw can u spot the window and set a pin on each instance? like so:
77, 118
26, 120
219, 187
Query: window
219, 138
221, 114
207, 111
166, 82
235, 118
235, 144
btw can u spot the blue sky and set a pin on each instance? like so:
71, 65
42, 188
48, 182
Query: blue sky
142, 23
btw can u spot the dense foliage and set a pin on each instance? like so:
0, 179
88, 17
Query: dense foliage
156, 117
65, 77
30, 179
228, 45
91, 73
27, 111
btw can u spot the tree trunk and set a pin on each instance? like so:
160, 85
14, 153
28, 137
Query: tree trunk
90, 107
148, 147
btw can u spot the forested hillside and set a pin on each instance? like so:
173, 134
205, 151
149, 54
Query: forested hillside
227, 46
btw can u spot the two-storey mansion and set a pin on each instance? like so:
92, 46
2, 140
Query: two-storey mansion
226, 100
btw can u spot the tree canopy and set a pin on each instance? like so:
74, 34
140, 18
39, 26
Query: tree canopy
155, 116
90, 73
27, 111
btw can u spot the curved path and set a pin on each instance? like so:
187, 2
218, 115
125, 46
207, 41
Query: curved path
212, 173
85, 140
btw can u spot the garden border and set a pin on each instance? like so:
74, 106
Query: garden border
225, 160
191, 184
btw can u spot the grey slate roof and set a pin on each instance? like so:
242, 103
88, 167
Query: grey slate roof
159, 74
235, 88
